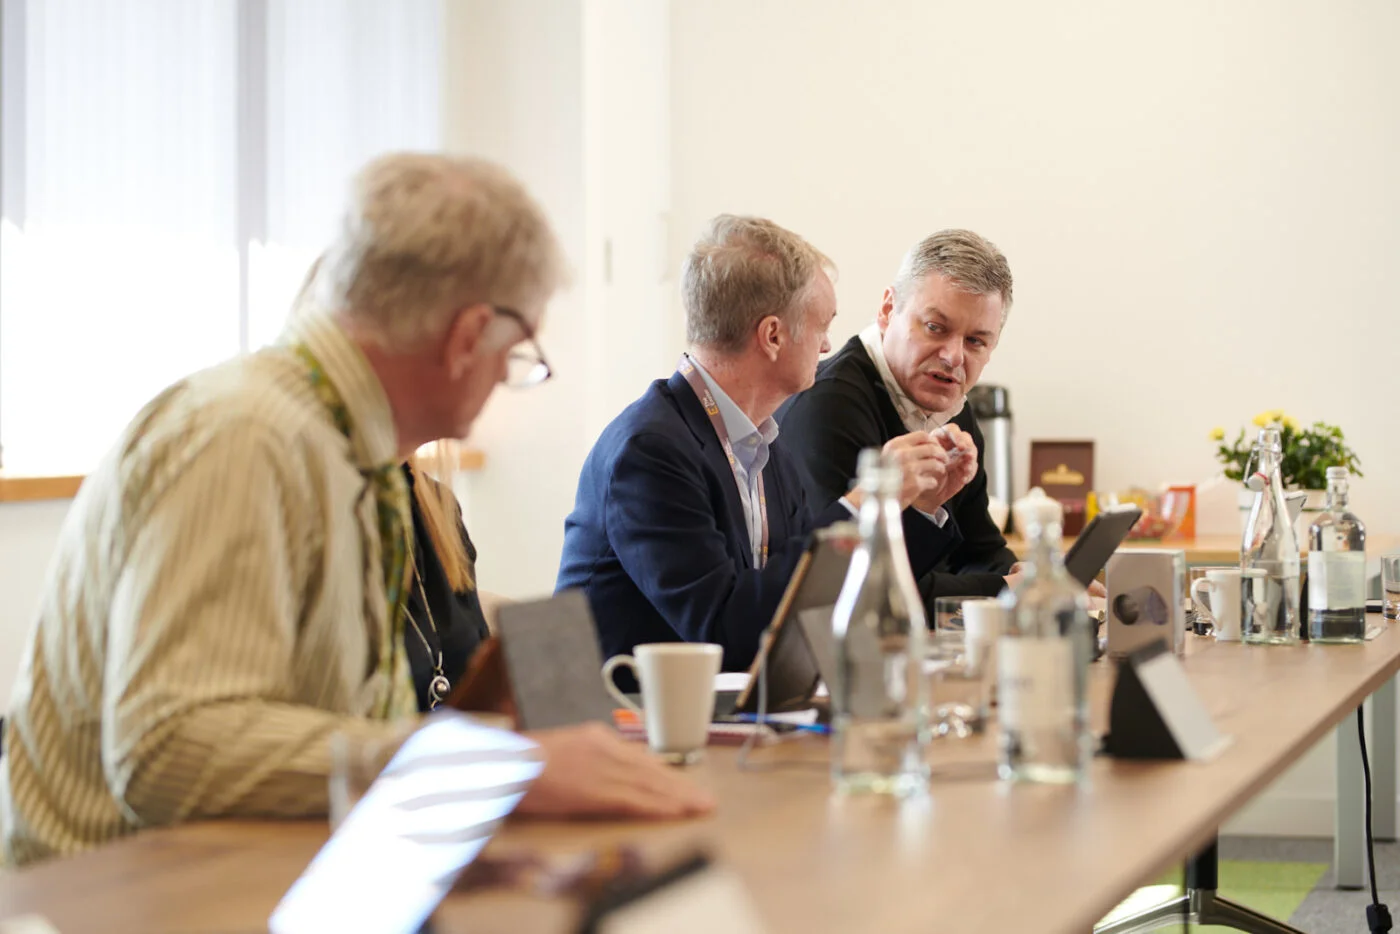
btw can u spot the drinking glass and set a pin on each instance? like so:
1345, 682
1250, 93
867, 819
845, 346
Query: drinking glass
960, 666
1390, 585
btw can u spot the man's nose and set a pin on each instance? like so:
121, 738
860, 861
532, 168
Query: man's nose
950, 353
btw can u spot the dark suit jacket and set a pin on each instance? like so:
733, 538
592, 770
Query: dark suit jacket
849, 409
658, 541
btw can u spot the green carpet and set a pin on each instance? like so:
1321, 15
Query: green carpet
1277, 889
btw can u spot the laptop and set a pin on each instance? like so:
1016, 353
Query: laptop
399, 850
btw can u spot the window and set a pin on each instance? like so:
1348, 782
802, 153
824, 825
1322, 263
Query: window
170, 169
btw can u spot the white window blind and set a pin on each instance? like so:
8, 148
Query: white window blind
170, 168
347, 79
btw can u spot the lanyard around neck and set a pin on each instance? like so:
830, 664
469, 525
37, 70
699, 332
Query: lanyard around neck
707, 400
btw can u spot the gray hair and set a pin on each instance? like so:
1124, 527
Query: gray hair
426, 235
973, 263
742, 270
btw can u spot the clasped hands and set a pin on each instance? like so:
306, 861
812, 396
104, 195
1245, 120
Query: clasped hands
936, 465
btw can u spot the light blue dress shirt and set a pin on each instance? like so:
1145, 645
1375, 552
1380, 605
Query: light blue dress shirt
750, 446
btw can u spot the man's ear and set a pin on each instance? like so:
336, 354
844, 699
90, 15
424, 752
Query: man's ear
464, 338
882, 317
770, 337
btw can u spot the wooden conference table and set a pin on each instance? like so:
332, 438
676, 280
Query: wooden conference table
1349, 829
975, 855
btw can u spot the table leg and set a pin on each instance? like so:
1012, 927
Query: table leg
1382, 753
1348, 836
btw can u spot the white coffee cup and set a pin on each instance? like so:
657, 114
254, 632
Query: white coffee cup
1220, 590
678, 694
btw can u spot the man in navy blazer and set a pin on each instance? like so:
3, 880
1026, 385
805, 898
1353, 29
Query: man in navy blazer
690, 517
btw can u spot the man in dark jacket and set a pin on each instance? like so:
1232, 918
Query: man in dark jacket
909, 373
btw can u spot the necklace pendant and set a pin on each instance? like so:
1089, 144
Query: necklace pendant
439, 688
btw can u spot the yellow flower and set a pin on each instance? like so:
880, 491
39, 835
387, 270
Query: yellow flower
1261, 420
1269, 417
1217, 434
1290, 423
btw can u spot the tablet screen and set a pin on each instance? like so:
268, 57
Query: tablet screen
792, 669
1097, 543
419, 824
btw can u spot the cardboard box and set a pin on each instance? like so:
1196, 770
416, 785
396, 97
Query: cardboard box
1065, 471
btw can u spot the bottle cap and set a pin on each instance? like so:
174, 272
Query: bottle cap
1337, 473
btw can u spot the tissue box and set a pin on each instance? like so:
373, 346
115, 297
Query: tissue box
1145, 591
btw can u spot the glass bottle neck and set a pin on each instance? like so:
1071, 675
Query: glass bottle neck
880, 515
1337, 495
1269, 463
1043, 549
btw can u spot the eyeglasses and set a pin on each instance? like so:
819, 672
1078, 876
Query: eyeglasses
525, 367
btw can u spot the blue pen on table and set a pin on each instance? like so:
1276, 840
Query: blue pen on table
782, 725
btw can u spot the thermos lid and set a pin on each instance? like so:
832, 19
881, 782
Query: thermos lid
989, 401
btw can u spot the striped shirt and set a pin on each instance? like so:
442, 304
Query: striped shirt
213, 613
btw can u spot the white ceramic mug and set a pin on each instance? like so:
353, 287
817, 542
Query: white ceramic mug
678, 694
1220, 590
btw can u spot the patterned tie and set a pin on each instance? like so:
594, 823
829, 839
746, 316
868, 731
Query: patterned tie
395, 519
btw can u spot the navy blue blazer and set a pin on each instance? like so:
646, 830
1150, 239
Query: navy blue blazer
658, 542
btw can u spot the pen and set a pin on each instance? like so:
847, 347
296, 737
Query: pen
783, 725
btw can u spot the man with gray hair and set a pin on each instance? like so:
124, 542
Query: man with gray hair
229, 587
907, 375
690, 517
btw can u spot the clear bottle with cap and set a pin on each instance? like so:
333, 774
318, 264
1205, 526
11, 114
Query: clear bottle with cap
1043, 658
1337, 568
880, 729
1269, 553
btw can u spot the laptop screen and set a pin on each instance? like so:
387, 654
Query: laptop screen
398, 851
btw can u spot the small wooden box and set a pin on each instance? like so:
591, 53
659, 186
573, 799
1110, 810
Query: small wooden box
1065, 471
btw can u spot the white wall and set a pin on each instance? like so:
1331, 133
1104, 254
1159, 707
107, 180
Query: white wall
1199, 202
573, 96
629, 284
28, 536
513, 93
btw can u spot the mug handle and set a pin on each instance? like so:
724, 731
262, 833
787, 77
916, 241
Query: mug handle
609, 667
1201, 584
